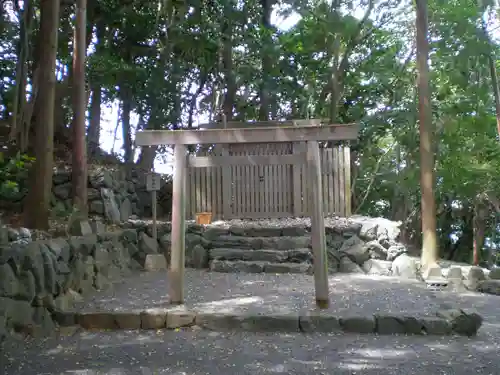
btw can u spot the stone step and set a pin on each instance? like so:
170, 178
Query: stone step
262, 255
260, 243
241, 266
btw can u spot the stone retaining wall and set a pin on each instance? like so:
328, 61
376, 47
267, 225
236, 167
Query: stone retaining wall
39, 278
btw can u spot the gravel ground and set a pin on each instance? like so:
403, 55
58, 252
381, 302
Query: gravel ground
351, 294
194, 352
202, 352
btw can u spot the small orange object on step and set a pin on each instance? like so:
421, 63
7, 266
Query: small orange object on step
203, 218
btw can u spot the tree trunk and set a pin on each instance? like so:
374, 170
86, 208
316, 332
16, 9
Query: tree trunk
267, 63
430, 252
37, 208
227, 61
126, 130
94, 131
79, 162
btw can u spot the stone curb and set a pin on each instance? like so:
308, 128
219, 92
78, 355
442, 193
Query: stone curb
446, 322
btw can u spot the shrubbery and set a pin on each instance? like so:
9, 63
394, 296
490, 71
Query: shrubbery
14, 175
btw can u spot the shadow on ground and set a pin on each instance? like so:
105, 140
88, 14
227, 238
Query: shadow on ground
266, 293
202, 352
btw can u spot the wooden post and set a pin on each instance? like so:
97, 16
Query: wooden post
153, 183
177, 260
317, 226
153, 209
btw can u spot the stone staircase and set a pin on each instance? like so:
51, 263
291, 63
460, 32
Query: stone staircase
262, 250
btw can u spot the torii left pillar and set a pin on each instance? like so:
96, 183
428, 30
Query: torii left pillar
177, 251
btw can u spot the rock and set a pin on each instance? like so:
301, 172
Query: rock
125, 210
25, 233
62, 191
236, 266
199, 257
358, 324
179, 318
376, 250
97, 207
393, 325
111, 211
67, 300
377, 267
489, 287
4, 235
316, 321
287, 268
433, 272
356, 250
395, 251
249, 255
347, 265
97, 226
404, 266
79, 227
462, 322
495, 273
9, 286
60, 248
101, 179
155, 262
473, 275
147, 244
127, 320
153, 318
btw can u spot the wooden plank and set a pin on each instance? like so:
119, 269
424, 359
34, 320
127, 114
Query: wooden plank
244, 160
318, 239
329, 177
262, 124
217, 189
336, 178
297, 148
227, 188
347, 180
192, 192
178, 234
341, 182
262, 206
248, 135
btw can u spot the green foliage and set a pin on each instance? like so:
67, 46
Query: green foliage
13, 176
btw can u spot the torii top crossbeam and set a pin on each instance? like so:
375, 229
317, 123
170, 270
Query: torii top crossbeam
248, 135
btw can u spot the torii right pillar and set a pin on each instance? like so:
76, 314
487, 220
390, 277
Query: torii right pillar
318, 239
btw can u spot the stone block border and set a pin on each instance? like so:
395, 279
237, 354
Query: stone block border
446, 322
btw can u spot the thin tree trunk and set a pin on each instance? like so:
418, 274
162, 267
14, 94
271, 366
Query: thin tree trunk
94, 130
430, 251
267, 63
79, 167
126, 130
37, 208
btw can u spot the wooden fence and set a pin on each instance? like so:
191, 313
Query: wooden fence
267, 191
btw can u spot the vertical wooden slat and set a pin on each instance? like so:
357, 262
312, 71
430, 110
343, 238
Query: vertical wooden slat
336, 180
331, 188
296, 186
267, 199
347, 180
251, 182
227, 190
262, 207
341, 181
277, 182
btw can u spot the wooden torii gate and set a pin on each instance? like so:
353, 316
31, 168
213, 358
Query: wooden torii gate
310, 134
